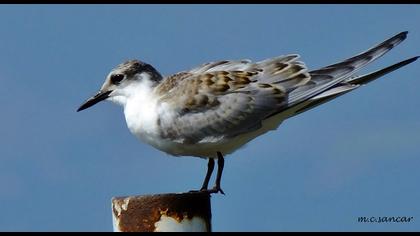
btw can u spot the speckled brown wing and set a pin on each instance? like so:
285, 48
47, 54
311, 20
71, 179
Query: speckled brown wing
224, 99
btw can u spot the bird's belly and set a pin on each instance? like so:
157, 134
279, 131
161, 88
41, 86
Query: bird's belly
202, 149
209, 149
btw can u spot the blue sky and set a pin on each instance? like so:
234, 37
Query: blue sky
355, 156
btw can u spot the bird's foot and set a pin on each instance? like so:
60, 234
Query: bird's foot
209, 191
215, 189
194, 191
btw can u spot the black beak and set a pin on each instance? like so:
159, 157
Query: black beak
95, 99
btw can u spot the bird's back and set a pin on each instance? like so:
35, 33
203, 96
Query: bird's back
221, 106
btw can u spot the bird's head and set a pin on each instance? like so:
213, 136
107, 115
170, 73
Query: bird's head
123, 81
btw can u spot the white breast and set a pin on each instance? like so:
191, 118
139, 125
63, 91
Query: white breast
142, 112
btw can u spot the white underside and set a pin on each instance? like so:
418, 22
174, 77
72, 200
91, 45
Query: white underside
141, 113
145, 128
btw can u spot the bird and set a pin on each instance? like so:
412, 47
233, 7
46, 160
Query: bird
214, 109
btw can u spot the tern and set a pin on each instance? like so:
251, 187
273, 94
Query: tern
216, 108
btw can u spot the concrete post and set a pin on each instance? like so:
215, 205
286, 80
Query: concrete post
173, 212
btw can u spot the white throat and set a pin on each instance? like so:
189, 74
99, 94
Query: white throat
139, 102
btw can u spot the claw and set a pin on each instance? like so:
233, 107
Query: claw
209, 191
216, 190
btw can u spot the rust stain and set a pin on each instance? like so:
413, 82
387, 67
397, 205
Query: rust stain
143, 212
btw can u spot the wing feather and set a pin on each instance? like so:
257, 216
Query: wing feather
226, 98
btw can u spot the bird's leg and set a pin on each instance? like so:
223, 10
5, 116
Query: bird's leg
220, 165
210, 168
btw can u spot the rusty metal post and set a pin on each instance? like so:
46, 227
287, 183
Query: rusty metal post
172, 212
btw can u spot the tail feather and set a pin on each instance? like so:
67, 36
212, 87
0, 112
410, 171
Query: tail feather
329, 76
348, 85
364, 79
367, 56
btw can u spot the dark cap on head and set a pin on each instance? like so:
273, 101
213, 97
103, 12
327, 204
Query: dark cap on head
132, 67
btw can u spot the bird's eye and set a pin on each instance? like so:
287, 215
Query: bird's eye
116, 79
